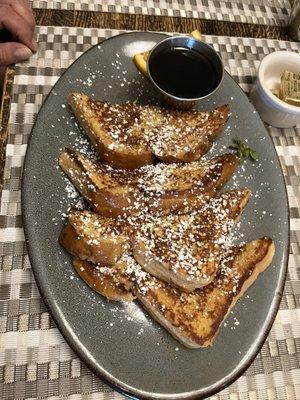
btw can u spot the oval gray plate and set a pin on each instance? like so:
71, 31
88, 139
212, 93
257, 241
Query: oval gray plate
120, 342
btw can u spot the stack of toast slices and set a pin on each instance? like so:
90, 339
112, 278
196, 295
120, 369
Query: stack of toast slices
157, 228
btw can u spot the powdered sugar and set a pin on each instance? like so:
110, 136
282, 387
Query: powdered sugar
137, 47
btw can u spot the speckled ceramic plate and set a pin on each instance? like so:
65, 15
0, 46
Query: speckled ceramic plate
121, 343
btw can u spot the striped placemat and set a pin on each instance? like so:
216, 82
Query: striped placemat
268, 12
35, 360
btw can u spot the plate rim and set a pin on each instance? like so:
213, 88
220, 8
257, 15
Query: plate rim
76, 345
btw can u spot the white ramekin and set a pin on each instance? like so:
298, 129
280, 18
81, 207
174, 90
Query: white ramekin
271, 109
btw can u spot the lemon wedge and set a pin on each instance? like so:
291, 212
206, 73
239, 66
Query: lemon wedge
140, 59
196, 34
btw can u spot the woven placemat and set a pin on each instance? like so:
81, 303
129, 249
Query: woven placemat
268, 12
35, 360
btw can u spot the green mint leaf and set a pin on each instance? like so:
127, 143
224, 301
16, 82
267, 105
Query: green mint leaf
243, 151
246, 152
240, 153
253, 155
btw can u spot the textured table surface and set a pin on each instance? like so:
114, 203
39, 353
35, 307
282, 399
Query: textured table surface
273, 12
35, 360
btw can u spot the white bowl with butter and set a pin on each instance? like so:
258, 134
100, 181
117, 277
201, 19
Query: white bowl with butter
272, 110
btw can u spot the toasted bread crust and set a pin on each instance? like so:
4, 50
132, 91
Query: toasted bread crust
79, 240
263, 251
196, 318
185, 250
104, 200
192, 318
162, 270
126, 157
99, 239
201, 143
193, 198
104, 284
118, 159
127, 136
116, 192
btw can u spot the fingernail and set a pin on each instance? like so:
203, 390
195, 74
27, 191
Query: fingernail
34, 45
22, 53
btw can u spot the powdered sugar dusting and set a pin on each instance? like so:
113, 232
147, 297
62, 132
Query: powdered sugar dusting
137, 47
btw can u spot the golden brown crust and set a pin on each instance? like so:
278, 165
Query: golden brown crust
194, 197
111, 192
103, 282
114, 197
185, 250
131, 156
127, 136
195, 318
196, 139
117, 159
100, 239
222, 117
192, 318
87, 242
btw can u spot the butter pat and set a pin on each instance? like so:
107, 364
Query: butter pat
290, 88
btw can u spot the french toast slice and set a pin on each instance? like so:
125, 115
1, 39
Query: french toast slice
181, 188
107, 281
181, 249
192, 318
114, 130
159, 188
109, 192
183, 136
127, 136
89, 236
185, 250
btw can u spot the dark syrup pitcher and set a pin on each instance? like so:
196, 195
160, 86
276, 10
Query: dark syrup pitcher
184, 73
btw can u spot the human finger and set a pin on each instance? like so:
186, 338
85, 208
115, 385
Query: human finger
13, 52
18, 26
22, 7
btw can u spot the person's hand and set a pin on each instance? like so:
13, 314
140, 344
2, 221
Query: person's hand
16, 17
